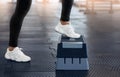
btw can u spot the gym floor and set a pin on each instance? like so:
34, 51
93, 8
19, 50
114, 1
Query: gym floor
39, 40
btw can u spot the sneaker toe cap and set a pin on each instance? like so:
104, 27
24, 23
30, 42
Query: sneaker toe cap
24, 59
27, 58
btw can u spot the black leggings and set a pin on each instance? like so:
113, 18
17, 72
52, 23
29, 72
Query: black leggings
22, 9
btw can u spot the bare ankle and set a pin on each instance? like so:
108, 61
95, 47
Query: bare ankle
11, 48
64, 22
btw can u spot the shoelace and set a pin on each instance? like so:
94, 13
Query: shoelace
71, 30
20, 50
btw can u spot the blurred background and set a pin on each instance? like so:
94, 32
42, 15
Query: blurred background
85, 5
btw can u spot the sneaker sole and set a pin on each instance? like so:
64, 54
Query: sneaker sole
15, 60
18, 61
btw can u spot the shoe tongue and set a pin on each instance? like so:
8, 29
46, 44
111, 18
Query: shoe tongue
16, 48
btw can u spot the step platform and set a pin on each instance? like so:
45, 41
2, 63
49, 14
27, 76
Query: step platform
72, 54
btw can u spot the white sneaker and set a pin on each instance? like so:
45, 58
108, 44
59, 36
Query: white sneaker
67, 30
17, 55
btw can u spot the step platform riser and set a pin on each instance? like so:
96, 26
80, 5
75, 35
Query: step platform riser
72, 54
72, 44
72, 64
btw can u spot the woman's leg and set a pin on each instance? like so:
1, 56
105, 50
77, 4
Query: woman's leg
64, 27
13, 52
66, 10
21, 10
